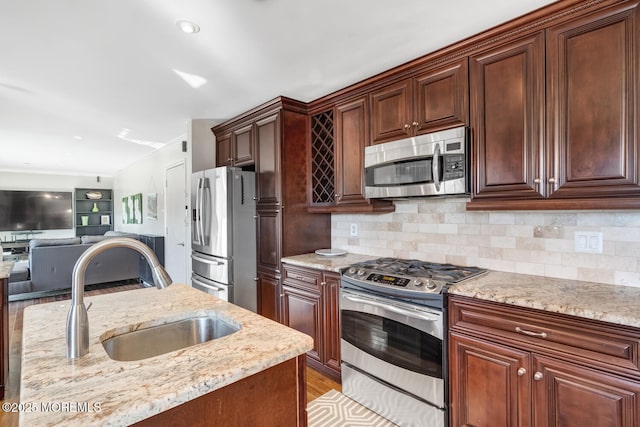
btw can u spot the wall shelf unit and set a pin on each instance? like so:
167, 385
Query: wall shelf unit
97, 221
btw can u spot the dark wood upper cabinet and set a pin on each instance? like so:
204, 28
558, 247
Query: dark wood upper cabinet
392, 112
441, 97
268, 160
338, 140
278, 131
235, 148
593, 71
434, 99
572, 145
507, 111
242, 143
352, 135
223, 150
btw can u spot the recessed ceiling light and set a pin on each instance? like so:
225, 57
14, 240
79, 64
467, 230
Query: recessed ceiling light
77, 137
188, 27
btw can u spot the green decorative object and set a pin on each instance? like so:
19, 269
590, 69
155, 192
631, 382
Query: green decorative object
95, 208
84, 219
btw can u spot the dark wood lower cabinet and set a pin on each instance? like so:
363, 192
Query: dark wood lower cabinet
310, 304
571, 395
484, 384
572, 373
273, 397
269, 296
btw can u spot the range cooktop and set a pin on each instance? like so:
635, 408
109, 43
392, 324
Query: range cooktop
413, 276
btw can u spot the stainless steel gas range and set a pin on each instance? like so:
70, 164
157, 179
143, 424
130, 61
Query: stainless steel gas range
393, 337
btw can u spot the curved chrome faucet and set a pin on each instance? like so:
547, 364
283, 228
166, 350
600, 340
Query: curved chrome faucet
77, 320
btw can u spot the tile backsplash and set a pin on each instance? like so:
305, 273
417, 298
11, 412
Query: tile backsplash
529, 242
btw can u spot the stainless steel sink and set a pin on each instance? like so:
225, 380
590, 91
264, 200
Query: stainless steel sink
160, 339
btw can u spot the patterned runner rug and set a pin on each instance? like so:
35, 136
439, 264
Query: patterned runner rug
334, 409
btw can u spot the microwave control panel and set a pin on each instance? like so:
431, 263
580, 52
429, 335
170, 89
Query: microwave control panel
454, 166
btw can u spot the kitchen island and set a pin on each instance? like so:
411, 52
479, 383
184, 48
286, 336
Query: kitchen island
250, 366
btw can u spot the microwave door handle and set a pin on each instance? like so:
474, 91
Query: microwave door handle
398, 310
435, 167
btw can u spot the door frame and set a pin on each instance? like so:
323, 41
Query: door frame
187, 241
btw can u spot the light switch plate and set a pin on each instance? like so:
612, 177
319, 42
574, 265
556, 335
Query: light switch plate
353, 230
588, 242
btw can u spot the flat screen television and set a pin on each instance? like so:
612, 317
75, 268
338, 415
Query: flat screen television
35, 210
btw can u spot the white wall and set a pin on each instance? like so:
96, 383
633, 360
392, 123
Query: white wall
147, 176
442, 230
35, 181
203, 144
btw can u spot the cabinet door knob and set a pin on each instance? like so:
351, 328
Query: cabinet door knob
536, 181
406, 126
415, 124
538, 376
521, 372
323, 283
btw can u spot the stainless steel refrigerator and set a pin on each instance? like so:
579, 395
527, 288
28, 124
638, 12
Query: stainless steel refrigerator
223, 234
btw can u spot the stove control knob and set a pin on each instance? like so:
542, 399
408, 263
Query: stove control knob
431, 284
417, 283
351, 270
361, 272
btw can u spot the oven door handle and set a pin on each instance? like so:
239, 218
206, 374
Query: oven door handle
395, 309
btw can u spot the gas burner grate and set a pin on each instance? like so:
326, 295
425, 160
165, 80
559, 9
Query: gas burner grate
448, 273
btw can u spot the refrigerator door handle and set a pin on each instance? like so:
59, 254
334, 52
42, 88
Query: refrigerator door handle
242, 189
202, 212
198, 214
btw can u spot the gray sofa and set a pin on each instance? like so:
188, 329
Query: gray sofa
51, 263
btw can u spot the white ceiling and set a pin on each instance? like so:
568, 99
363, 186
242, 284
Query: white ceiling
91, 86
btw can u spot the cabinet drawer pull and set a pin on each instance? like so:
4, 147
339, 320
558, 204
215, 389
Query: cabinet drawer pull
538, 376
521, 372
530, 333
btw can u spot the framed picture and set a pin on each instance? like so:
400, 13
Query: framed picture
152, 206
105, 219
132, 209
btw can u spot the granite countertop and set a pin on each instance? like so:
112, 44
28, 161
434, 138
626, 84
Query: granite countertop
597, 301
328, 263
5, 269
127, 392
591, 300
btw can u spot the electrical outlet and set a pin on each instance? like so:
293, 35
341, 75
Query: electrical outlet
353, 230
588, 242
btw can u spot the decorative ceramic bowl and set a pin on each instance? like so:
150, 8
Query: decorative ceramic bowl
93, 195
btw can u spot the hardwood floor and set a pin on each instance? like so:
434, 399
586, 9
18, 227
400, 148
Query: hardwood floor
317, 384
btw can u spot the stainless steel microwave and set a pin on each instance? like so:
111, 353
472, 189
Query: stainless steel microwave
433, 164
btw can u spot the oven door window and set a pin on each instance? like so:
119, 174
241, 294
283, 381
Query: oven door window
393, 342
407, 172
